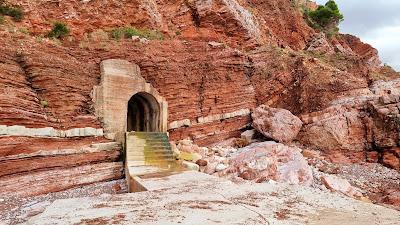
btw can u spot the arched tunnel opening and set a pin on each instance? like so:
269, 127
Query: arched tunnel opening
143, 113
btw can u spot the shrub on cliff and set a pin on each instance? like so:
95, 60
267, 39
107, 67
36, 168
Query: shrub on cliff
15, 13
59, 30
129, 32
327, 17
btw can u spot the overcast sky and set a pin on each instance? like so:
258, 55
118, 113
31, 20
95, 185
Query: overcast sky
376, 22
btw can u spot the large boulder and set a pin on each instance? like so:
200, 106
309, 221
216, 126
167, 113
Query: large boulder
335, 128
271, 161
278, 124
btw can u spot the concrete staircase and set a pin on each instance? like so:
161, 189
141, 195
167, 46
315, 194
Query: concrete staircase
148, 154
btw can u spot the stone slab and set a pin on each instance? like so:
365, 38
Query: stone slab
196, 198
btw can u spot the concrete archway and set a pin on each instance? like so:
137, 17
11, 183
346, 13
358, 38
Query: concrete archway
143, 113
122, 87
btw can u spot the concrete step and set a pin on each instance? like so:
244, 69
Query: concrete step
150, 148
151, 162
148, 138
152, 152
150, 158
148, 151
166, 142
161, 144
146, 135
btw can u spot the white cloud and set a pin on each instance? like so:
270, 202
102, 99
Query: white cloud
387, 40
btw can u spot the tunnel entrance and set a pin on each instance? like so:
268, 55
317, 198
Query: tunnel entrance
143, 113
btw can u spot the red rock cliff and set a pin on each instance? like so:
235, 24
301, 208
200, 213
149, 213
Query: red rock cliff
218, 57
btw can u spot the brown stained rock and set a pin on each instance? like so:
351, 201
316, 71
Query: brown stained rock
249, 174
278, 124
390, 160
75, 84
308, 153
392, 197
201, 162
116, 188
372, 157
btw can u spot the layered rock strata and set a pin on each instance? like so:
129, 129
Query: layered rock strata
54, 164
365, 128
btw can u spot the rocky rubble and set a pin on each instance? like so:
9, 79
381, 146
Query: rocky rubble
258, 162
271, 162
375, 182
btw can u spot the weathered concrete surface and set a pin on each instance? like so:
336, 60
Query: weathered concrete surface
120, 80
195, 198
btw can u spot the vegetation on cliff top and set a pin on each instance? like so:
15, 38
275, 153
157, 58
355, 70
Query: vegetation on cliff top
15, 13
129, 32
59, 30
326, 17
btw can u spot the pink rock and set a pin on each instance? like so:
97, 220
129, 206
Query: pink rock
210, 168
278, 124
271, 160
335, 128
340, 185
320, 44
186, 148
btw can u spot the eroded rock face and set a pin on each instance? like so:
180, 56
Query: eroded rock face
386, 120
336, 128
365, 126
391, 158
278, 124
366, 51
34, 166
270, 160
319, 44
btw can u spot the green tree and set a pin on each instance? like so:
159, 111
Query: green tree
327, 16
